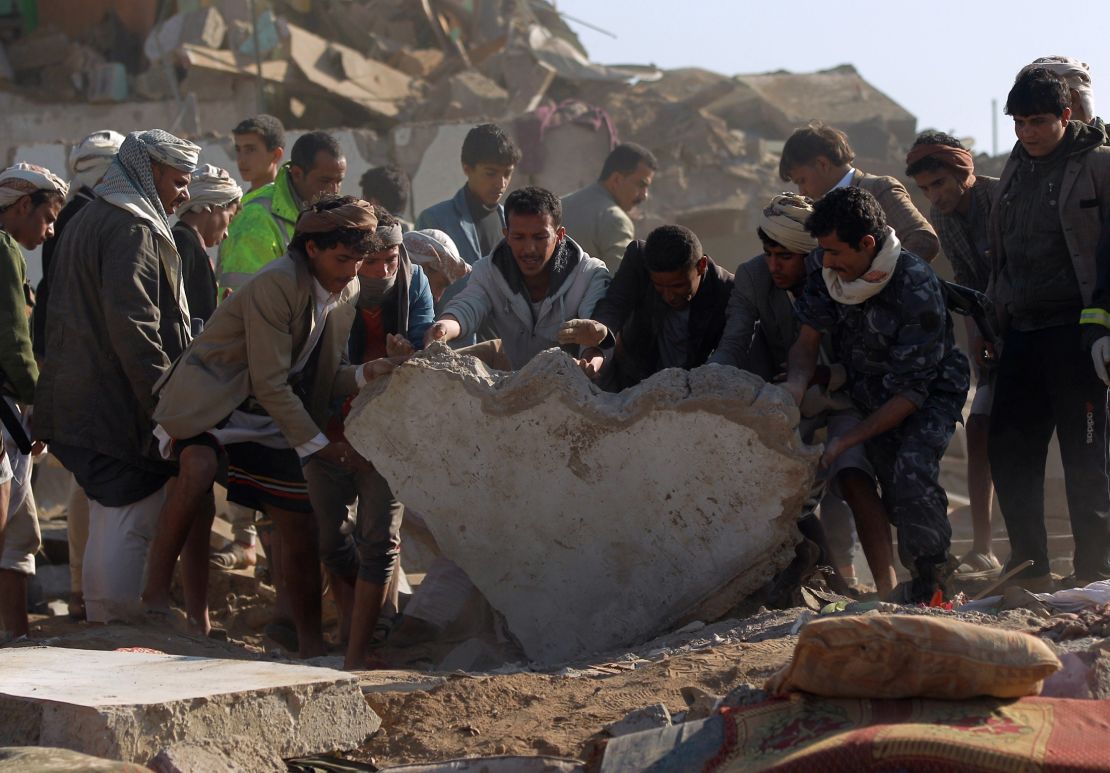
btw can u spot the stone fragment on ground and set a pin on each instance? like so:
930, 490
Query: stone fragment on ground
590, 520
208, 758
131, 706
648, 718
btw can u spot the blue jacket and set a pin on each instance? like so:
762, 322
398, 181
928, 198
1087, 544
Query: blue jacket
453, 218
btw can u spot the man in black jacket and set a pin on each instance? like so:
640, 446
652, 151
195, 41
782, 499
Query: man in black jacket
665, 308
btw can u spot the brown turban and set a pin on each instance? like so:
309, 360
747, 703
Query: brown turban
356, 214
958, 159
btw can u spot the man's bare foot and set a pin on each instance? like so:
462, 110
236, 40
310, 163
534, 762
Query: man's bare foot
75, 607
367, 662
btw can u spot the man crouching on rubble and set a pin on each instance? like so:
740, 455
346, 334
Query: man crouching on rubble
885, 310
257, 384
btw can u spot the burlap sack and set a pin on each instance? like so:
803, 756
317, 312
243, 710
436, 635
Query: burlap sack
913, 656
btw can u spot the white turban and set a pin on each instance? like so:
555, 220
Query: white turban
1075, 73
434, 249
91, 157
210, 186
784, 221
23, 179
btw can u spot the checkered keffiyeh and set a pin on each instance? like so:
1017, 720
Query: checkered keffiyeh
129, 185
129, 181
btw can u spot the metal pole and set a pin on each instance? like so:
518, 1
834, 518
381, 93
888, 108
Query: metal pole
257, 57
994, 127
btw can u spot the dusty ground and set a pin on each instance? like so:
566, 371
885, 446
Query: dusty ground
552, 715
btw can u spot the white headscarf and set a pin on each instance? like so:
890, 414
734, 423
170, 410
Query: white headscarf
1075, 73
436, 250
210, 186
91, 157
784, 220
23, 179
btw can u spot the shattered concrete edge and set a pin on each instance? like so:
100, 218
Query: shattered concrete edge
757, 423
764, 407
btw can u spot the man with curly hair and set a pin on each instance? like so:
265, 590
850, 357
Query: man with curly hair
885, 310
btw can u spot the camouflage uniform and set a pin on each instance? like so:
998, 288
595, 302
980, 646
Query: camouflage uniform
900, 343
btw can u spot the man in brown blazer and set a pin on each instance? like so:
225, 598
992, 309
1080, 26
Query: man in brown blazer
818, 159
256, 385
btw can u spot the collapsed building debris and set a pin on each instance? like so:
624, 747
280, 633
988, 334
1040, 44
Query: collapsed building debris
399, 71
577, 568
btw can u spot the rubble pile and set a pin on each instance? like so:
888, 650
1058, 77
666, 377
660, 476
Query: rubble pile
397, 72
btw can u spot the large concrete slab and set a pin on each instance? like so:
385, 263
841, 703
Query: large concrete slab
592, 520
129, 705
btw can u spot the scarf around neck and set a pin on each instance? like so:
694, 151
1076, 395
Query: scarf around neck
872, 282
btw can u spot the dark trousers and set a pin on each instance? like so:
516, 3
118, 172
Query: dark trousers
907, 465
1046, 382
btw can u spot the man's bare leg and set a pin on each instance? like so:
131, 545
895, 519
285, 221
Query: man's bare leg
195, 565
184, 505
369, 598
13, 585
13, 602
872, 525
77, 533
980, 489
299, 576
344, 590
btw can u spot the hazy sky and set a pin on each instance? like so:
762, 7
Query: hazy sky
944, 64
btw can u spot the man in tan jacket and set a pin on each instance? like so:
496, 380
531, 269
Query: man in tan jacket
257, 385
819, 159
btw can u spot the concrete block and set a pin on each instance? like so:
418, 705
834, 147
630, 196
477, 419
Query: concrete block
590, 520
433, 153
130, 706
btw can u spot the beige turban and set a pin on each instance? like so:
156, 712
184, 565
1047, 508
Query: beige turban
435, 250
784, 221
1075, 73
91, 157
23, 179
210, 186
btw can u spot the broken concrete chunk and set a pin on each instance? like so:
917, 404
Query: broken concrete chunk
106, 83
591, 520
417, 62
378, 88
131, 706
202, 27
468, 94
647, 718
209, 758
